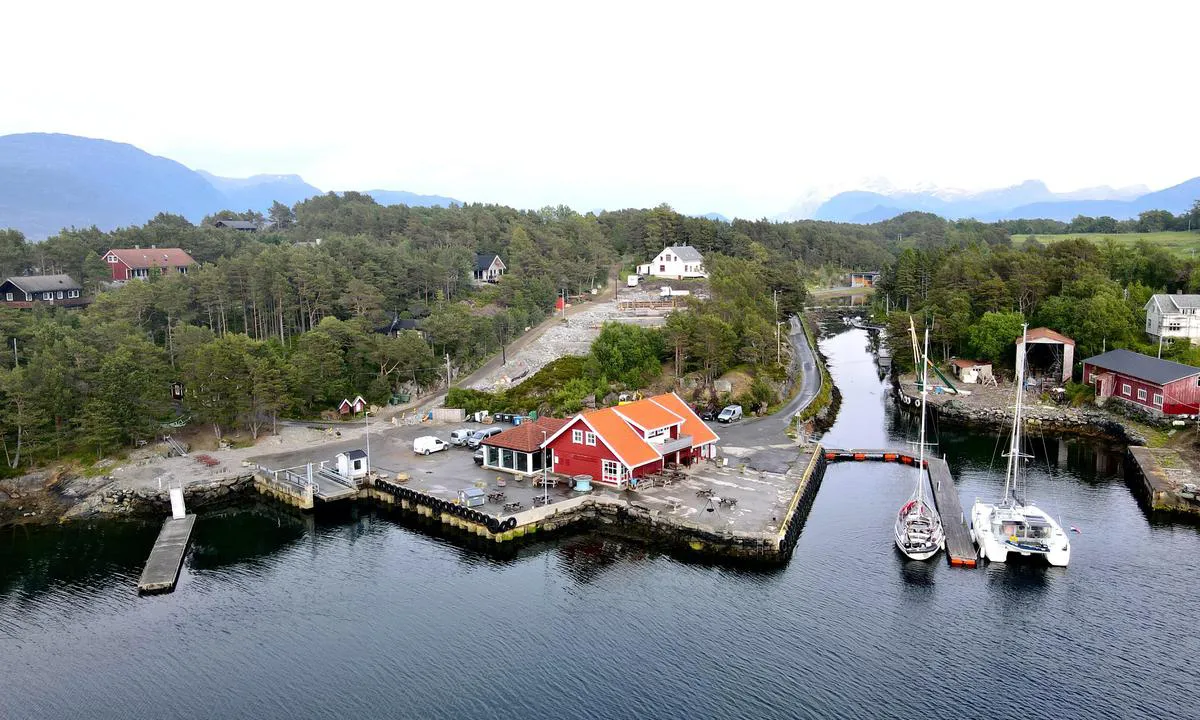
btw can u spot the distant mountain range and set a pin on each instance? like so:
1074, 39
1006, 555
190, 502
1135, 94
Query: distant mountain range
1030, 199
49, 182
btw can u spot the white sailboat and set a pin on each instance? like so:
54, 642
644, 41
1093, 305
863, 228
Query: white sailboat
1015, 525
919, 532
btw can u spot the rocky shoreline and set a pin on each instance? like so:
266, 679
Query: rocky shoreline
42, 502
1080, 421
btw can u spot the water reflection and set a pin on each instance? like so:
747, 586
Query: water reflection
917, 575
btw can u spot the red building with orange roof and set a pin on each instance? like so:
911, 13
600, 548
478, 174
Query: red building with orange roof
618, 444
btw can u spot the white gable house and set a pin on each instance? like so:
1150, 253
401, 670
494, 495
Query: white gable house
683, 261
1173, 316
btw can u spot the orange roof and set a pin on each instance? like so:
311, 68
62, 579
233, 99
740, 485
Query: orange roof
526, 437
648, 415
1048, 334
692, 424
619, 437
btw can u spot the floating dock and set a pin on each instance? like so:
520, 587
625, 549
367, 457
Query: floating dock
959, 547
960, 550
166, 558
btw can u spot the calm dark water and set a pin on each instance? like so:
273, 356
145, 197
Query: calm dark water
278, 616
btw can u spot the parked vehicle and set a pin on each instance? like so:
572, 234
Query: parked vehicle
460, 436
731, 413
632, 281
480, 435
428, 444
478, 457
708, 414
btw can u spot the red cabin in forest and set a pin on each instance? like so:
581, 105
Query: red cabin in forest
1158, 386
617, 445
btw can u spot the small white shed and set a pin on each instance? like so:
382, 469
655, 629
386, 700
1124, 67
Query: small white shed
972, 371
352, 464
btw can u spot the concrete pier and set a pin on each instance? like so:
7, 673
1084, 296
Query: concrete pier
717, 510
166, 558
1167, 481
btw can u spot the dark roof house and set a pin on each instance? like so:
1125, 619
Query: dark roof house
26, 291
1142, 366
488, 267
243, 225
1160, 387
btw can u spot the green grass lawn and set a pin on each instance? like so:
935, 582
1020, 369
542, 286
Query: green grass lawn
1180, 242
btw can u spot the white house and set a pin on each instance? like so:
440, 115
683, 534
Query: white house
971, 371
1173, 316
679, 262
488, 268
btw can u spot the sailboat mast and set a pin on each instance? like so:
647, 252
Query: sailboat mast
1014, 448
924, 402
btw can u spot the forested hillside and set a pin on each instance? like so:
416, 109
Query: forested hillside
276, 322
975, 295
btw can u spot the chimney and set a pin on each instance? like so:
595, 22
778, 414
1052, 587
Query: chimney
1179, 291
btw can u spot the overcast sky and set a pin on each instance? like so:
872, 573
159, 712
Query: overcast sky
735, 107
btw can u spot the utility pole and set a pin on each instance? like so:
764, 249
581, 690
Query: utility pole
367, 424
778, 348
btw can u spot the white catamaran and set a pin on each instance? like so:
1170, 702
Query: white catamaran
919, 533
1015, 525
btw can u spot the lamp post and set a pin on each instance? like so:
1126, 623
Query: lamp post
367, 424
778, 342
545, 474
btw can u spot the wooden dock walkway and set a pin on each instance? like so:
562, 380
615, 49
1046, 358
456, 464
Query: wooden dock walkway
959, 547
162, 568
330, 487
960, 550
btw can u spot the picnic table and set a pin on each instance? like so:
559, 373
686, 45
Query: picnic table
705, 492
541, 500
495, 497
512, 506
728, 501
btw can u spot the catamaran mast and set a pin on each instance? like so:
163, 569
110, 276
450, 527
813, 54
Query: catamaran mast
924, 402
1014, 448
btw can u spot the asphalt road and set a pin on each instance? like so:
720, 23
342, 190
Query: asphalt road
762, 443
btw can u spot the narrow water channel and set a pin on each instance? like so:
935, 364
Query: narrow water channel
279, 615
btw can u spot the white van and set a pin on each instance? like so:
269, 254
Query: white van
480, 435
632, 281
428, 444
459, 437
731, 413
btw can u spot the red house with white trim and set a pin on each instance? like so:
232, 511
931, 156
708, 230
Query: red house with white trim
1159, 386
619, 444
140, 263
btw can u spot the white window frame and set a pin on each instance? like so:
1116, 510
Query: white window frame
610, 471
1126, 390
111, 259
60, 294
1141, 395
589, 439
577, 437
8, 297
1157, 399
28, 297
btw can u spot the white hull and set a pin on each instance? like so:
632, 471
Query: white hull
991, 525
918, 531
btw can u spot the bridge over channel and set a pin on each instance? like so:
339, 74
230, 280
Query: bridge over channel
960, 550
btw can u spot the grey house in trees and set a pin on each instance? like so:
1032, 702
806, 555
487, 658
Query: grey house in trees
242, 225
32, 290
